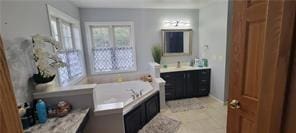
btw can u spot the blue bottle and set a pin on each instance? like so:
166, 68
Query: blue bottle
41, 111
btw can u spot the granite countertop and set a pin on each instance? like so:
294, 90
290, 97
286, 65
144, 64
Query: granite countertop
182, 68
67, 124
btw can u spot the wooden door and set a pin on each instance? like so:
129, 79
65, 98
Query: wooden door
9, 119
258, 65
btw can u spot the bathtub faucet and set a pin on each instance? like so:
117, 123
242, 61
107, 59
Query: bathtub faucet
141, 92
134, 93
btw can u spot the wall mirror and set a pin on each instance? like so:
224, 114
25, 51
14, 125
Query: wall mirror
176, 42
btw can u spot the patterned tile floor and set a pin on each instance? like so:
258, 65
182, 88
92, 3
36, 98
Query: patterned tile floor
211, 119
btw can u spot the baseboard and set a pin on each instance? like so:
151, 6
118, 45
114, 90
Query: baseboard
220, 101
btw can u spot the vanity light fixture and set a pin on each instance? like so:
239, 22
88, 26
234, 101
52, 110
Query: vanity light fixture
168, 24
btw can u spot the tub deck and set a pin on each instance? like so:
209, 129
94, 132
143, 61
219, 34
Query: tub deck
112, 98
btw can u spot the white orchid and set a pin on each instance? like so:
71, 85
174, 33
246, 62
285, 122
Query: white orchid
47, 63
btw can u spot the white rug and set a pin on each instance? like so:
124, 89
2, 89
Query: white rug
185, 105
161, 124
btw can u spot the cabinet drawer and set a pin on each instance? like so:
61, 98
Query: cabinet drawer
204, 74
204, 87
204, 90
204, 82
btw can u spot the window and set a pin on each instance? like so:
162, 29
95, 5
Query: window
66, 35
66, 30
111, 47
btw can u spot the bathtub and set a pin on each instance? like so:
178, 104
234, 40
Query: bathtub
117, 98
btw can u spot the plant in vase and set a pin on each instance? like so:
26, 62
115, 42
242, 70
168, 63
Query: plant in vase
46, 62
156, 53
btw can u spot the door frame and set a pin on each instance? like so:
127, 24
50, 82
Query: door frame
9, 118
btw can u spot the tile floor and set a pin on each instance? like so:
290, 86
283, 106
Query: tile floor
211, 119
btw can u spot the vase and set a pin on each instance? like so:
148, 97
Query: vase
45, 86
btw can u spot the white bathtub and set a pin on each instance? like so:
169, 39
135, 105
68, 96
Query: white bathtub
114, 97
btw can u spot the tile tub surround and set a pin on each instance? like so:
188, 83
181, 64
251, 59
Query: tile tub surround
117, 98
108, 98
112, 101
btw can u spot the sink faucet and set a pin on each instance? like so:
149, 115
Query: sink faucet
178, 64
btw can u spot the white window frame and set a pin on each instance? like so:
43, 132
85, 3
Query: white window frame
89, 44
61, 16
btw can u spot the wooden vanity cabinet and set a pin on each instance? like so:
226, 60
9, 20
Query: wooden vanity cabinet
142, 114
187, 84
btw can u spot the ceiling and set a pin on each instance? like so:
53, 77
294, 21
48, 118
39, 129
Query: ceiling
157, 4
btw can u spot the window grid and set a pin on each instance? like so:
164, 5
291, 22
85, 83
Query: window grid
66, 35
122, 41
104, 38
112, 57
74, 68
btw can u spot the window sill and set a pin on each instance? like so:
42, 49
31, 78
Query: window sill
66, 91
113, 72
74, 81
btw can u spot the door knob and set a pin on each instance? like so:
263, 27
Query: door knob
234, 104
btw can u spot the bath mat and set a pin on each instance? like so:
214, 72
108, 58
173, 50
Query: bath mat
161, 124
185, 105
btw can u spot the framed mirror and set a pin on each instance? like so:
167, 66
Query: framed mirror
176, 42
